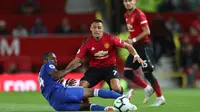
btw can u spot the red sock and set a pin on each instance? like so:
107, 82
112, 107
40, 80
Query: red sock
139, 81
157, 89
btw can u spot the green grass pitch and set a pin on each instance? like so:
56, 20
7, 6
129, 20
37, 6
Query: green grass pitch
177, 100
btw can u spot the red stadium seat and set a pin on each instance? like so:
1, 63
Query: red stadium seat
22, 62
50, 20
52, 6
46, 6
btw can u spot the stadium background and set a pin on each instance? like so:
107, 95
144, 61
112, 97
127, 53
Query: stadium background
28, 28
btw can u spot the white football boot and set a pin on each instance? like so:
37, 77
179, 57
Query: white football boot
132, 107
159, 101
148, 92
129, 94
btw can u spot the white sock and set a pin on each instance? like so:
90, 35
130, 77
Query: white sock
147, 88
91, 106
96, 92
161, 97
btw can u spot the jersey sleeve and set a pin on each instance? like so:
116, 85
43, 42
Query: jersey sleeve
142, 19
81, 51
117, 41
50, 67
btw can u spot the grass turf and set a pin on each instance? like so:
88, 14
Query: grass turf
177, 100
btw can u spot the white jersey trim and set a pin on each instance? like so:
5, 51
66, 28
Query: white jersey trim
143, 22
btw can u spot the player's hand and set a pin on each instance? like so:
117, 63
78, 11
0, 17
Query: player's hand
60, 80
137, 58
129, 41
71, 82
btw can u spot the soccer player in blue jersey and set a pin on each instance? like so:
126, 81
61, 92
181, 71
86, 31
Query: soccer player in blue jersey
69, 98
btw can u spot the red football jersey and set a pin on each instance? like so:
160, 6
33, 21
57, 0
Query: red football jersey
101, 53
135, 21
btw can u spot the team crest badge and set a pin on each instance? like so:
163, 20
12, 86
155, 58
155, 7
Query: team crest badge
132, 19
106, 45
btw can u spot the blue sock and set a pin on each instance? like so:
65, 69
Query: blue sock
106, 94
94, 107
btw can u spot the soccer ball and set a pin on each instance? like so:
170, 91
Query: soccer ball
122, 104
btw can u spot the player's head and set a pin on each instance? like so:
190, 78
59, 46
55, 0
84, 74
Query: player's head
97, 29
49, 56
129, 4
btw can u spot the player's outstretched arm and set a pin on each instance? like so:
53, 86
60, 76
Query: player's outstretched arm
69, 82
74, 61
132, 50
58, 74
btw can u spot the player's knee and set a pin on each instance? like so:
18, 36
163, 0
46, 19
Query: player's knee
117, 88
84, 84
128, 74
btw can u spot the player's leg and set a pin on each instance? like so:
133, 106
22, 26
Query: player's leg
70, 98
80, 107
85, 107
112, 77
62, 98
128, 73
95, 107
90, 92
114, 84
90, 79
69, 94
67, 106
147, 68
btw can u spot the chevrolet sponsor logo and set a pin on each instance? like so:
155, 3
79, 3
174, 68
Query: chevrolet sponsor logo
101, 53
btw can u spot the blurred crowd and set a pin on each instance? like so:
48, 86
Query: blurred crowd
169, 5
179, 5
38, 28
170, 39
163, 32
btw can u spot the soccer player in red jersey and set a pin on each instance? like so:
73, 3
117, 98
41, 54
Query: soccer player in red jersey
101, 48
137, 25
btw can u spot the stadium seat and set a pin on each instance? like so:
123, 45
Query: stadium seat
22, 62
50, 20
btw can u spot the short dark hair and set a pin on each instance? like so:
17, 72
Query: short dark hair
97, 21
45, 55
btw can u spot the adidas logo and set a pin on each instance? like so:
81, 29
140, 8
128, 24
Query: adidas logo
93, 49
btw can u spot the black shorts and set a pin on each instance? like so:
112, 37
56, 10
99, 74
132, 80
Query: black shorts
146, 53
96, 75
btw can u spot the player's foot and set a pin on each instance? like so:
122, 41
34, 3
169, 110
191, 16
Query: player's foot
110, 109
129, 94
148, 92
159, 101
132, 107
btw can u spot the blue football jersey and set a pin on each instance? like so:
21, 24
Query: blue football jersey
46, 81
